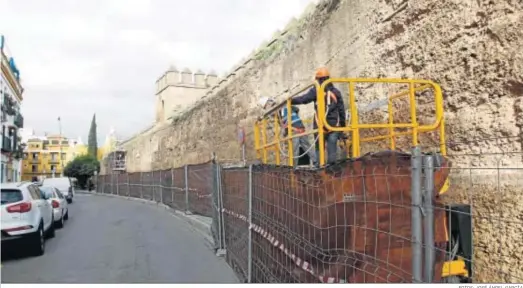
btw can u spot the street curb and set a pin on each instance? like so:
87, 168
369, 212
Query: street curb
194, 224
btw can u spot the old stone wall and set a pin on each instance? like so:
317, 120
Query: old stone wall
472, 48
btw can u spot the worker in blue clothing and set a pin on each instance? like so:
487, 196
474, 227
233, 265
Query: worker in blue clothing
297, 128
335, 112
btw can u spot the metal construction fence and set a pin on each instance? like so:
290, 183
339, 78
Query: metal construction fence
379, 218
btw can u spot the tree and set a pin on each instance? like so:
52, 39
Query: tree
91, 140
82, 168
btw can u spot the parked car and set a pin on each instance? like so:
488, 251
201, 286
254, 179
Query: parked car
63, 184
26, 216
59, 204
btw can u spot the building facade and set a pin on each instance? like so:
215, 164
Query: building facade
11, 91
46, 157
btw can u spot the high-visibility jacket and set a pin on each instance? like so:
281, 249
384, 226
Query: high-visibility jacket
296, 123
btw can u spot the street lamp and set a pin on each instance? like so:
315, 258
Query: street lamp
61, 157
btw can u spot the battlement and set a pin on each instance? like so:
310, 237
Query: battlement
186, 78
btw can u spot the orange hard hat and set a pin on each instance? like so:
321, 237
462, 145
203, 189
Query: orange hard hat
322, 72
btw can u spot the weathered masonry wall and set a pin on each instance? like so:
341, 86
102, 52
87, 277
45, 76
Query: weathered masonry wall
472, 48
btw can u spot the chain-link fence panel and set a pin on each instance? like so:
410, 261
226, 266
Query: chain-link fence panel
134, 184
147, 185
123, 184
200, 188
108, 188
235, 187
178, 189
156, 185
166, 187
351, 222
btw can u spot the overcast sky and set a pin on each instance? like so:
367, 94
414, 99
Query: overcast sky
82, 57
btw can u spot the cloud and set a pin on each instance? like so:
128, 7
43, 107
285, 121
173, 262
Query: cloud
78, 58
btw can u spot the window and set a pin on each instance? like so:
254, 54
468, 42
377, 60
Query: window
11, 196
35, 192
63, 156
48, 191
53, 168
60, 195
54, 156
35, 156
65, 142
34, 168
55, 142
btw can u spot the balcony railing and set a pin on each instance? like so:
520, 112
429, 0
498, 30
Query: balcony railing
35, 161
19, 120
8, 106
54, 161
7, 144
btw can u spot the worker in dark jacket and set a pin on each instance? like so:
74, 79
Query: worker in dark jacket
335, 112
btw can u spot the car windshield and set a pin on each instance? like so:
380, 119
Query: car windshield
48, 191
11, 196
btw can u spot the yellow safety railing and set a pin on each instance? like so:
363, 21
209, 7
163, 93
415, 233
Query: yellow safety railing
353, 127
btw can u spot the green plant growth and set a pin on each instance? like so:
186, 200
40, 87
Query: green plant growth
268, 52
82, 168
92, 143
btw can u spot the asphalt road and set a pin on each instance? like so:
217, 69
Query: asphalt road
110, 240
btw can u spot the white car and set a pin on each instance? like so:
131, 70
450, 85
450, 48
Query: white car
59, 204
63, 184
26, 216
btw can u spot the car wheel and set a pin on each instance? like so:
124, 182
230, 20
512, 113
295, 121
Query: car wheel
38, 241
59, 223
51, 232
66, 216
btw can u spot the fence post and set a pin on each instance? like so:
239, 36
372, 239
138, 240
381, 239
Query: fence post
429, 255
217, 205
161, 187
117, 184
249, 253
128, 185
153, 186
416, 163
141, 185
172, 187
186, 190
220, 194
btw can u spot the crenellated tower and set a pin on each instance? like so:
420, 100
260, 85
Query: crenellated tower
176, 90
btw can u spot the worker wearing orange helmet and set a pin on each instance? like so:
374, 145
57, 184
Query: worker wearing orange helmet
335, 112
